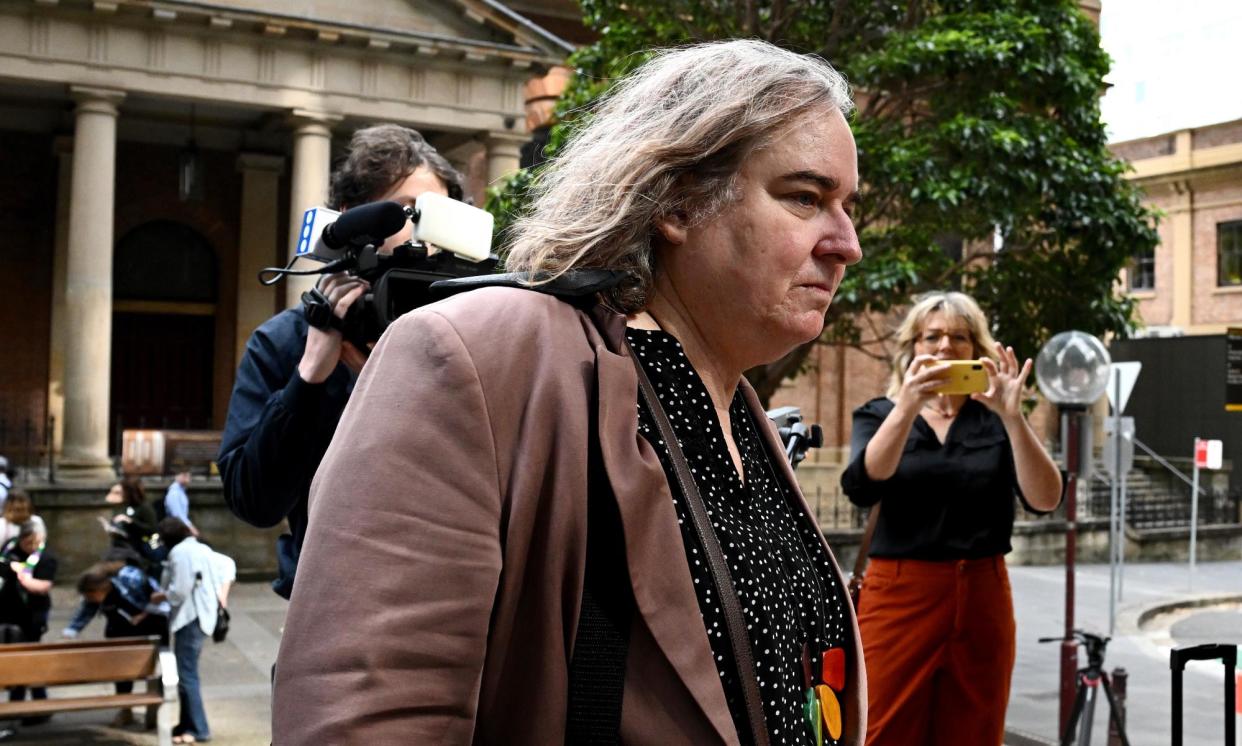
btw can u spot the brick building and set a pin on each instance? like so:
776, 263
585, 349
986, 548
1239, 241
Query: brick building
1192, 282
1189, 289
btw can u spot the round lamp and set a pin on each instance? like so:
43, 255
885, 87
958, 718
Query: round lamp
1072, 369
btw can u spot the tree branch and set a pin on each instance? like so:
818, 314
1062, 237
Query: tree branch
835, 29
880, 337
767, 378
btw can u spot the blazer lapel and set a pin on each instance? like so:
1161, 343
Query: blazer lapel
655, 554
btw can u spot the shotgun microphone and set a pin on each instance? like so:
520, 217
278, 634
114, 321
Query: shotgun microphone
326, 233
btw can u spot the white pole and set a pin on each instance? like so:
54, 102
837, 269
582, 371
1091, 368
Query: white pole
1112, 503
1121, 549
1194, 515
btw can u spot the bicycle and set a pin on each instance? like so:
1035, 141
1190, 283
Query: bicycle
1089, 678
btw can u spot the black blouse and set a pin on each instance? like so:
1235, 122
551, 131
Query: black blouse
782, 575
944, 502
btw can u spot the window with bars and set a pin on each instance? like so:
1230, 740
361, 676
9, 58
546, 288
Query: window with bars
1142, 273
1229, 253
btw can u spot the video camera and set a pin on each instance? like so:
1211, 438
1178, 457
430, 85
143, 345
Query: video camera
460, 236
795, 435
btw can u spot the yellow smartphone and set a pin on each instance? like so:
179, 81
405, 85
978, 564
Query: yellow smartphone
964, 377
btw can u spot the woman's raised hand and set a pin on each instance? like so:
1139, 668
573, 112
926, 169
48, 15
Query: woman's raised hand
917, 386
1006, 381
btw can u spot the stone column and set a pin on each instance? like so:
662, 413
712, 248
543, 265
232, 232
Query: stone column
312, 165
88, 286
1181, 214
257, 243
63, 149
504, 154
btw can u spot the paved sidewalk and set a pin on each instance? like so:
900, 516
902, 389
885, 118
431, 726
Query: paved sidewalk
1039, 602
238, 697
236, 677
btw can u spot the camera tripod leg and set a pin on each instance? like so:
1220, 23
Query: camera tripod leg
1080, 698
1113, 712
1087, 721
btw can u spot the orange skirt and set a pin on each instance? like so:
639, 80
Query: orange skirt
938, 642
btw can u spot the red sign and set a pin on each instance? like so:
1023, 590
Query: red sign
1208, 453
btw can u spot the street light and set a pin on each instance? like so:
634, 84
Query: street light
1072, 372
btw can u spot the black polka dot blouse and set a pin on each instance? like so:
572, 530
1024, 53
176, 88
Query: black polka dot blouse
790, 596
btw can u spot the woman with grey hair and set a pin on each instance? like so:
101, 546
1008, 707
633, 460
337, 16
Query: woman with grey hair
554, 511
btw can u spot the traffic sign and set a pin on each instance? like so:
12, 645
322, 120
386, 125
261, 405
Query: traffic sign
1208, 453
1127, 446
1129, 373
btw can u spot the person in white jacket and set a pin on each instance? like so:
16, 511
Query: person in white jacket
193, 578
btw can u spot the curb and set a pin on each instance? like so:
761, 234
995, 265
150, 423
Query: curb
1133, 621
1021, 738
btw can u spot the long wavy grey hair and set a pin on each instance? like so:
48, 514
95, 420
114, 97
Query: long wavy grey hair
669, 139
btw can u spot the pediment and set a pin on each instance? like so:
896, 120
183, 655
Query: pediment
464, 21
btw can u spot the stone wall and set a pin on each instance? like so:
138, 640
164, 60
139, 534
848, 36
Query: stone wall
1043, 543
74, 533
72, 515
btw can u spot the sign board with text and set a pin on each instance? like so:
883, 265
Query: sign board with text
1233, 369
164, 452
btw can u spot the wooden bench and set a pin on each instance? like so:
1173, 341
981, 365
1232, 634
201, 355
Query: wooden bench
71, 662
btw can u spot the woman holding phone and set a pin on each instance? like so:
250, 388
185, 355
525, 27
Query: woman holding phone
943, 470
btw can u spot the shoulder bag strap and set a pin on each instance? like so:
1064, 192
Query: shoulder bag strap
735, 621
864, 548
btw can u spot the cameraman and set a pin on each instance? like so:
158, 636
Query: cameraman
294, 379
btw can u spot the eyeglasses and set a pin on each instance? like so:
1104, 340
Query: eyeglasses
956, 337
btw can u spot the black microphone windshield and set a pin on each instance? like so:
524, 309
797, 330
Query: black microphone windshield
370, 223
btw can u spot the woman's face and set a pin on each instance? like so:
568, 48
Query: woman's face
96, 596
115, 495
757, 277
407, 191
946, 337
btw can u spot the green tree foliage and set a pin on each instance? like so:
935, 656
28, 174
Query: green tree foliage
973, 118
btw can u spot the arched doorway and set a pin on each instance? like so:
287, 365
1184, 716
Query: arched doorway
163, 329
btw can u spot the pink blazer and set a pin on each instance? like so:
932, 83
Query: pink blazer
438, 589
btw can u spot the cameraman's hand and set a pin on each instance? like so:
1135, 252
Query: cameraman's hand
324, 348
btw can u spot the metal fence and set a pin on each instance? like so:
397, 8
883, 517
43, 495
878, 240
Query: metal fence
1151, 502
25, 441
1155, 500
834, 509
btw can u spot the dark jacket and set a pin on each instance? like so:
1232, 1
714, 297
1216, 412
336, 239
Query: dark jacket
128, 597
277, 431
143, 521
18, 606
442, 577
